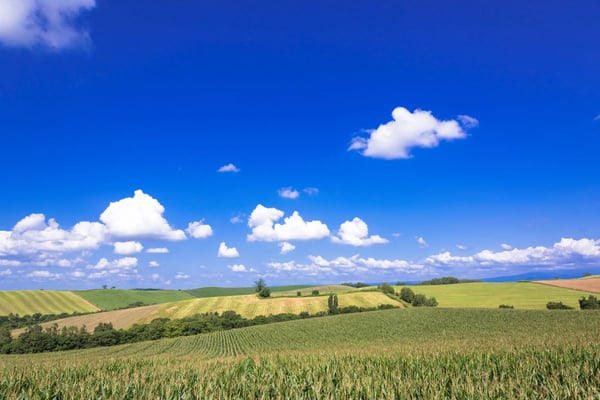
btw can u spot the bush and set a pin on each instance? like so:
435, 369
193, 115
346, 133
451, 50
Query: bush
407, 294
315, 292
386, 288
552, 305
591, 303
298, 293
506, 306
265, 292
421, 301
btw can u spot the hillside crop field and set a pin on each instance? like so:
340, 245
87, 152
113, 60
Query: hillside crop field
28, 302
112, 299
522, 295
588, 284
219, 291
307, 291
411, 353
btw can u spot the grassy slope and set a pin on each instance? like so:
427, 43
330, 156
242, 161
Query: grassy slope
307, 290
526, 295
112, 299
219, 291
24, 302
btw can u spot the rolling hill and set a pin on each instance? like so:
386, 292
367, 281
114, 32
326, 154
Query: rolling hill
28, 302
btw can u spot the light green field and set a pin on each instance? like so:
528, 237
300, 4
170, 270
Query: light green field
324, 290
411, 353
526, 295
219, 291
29, 302
112, 299
250, 306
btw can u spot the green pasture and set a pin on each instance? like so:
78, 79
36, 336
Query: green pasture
112, 299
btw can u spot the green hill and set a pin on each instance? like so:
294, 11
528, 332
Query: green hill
28, 302
525, 295
112, 299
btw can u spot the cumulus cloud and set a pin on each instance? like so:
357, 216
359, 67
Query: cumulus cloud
262, 222
461, 247
121, 263
227, 252
181, 275
157, 250
566, 251
506, 246
126, 248
238, 268
288, 193
199, 230
47, 23
6, 272
395, 139
43, 275
286, 247
140, 216
153, 264
311, 191
237, 219
356, 233
228, 168
422, 243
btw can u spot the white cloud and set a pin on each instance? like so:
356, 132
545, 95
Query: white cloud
199, 230
356, 233
262, 221
597, 118
181, 275
288, 193
126, 248
48, 23
228, 168
467, 121
238, 268
140, 216
237, 219
118, 264
422, 243
158, 250
47, 275
155, 277
10, 263
286, 247
77, 274
461, 247
311, 191
153, 264
6, 272
394, 139
506, 246
227, 252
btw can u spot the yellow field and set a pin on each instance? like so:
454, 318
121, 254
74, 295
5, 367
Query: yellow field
28, 302
323, 290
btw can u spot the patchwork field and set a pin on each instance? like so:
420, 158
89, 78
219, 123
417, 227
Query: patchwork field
410, 353
219, 291
589, 284
28, 302
522, 295
112, 299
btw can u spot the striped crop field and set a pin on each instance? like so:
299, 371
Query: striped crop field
411, 353
250, 306
28, 302
525, 295
112, 299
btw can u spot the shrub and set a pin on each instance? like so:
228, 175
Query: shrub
315, 292
421, 301
265, 292
298, 293
332, 304
386, 288
553, 305
407, 294
506, 306
591, 303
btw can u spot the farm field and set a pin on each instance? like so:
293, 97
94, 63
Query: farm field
219, 291
522, 295
112, 299
588, 284
411, 353
28, 302
323, 290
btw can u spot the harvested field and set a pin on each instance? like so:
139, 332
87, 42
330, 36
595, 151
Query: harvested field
591, 284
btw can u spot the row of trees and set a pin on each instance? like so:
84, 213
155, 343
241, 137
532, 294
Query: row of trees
406, 294
589, 303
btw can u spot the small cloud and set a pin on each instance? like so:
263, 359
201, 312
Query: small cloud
506, 246
395, 139
47, 23
155, 277
6, 272
237, 219
262, 222
461, 247
43, 275
238, 268
288, 193
181, 275
199, 230
356, 233
597, 118
153, 264
227, 252
467, 121
158, 250
422, 243
127, 248
396, 235
286, 247
311, 191
228, 168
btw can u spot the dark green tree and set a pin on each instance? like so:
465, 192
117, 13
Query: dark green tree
259, 285
332, 304
591, 303
386, 288
265, 292
407, 294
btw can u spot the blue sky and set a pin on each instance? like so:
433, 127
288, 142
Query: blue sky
362, 141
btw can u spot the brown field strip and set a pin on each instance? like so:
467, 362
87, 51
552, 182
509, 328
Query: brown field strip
584, 284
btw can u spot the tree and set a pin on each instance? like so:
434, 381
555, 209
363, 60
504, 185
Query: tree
259, 285
332, 304
407, 294
591, 303
265, 292
386, 288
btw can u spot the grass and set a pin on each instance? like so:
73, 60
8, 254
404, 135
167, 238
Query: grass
307, 290
412, 353
219, 291
525, 295
112, 299
28, 302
